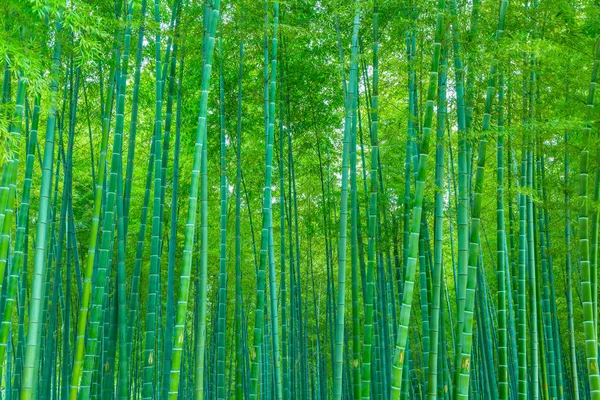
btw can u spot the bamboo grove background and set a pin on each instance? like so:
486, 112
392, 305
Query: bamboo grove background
299, 199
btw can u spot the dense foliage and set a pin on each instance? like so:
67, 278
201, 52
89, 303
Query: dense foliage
314, 200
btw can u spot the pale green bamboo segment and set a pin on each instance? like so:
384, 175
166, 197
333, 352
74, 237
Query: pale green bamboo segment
339, 342
33, 346
591, 339
399, 357
467, 334
185, 277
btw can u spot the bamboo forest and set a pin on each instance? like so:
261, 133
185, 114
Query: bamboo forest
299, 199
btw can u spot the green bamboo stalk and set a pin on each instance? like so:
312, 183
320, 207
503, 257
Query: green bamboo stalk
271, 256
202, 277
355, 366
200, 355
222, 307
547, 322
594, 245
11, 168
170, 307
139, 251
165, 336
265, 250
531, 253
463, 183
150, 357
371, 221
467, 339
134, 117
184, 281
21, 251
123, 368
50, 366
591, 347
408, 157
113, 204
93, 242
424, 292
32, 353
557, 349
511, 266
15, 133
569, 284
522, 307
238, 247
409, 278
338, 355
285, 362
437, 272
503, 385
43, 370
